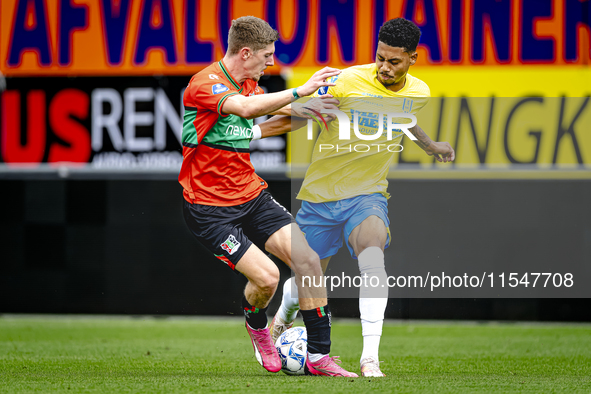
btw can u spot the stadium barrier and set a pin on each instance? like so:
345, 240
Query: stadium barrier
117, 244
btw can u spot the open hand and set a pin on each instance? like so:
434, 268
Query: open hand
317, 81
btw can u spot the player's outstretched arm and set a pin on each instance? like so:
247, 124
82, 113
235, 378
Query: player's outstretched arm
315, 106
278, 125
259, 105
302, 110
442, 151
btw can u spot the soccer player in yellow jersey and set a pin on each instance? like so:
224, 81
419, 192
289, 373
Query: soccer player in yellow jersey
344, 191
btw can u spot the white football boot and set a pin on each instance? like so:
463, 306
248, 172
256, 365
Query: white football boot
278, 326
370, 367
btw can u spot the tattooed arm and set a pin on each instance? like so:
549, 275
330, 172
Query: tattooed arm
442, 151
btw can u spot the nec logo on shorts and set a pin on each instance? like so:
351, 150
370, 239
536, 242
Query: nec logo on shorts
231, 245
219, 88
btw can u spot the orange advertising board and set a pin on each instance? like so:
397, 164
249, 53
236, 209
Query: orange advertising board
179, 37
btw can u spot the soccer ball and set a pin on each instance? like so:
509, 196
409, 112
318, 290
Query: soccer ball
292, 347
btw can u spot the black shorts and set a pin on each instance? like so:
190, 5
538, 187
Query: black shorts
228, 232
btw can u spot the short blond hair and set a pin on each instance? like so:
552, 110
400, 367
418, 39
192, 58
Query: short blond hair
251, 32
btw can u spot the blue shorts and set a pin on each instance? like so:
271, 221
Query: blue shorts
326, 225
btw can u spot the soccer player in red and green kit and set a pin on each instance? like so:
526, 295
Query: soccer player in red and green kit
226, 205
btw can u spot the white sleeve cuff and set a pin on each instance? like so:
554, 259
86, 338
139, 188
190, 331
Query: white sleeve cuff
256, 132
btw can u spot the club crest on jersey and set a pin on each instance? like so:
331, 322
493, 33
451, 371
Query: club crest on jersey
231, 245
219, 88
407, 105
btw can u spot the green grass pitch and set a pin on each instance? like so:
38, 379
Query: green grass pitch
115, 355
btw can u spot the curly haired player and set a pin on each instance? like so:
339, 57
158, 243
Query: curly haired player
344, 191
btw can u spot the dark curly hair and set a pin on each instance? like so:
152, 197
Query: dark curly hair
401, 33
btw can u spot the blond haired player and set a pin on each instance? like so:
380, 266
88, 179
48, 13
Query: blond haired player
344, 191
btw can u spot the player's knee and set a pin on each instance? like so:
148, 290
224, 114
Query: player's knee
364, 243
372, 233
269, 281
308, 263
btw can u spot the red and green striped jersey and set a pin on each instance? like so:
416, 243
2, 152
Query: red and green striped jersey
216, 166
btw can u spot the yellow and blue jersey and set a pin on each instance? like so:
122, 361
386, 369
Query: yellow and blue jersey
358, 166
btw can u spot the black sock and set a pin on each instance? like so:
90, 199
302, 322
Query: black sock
317, 323
255, 317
